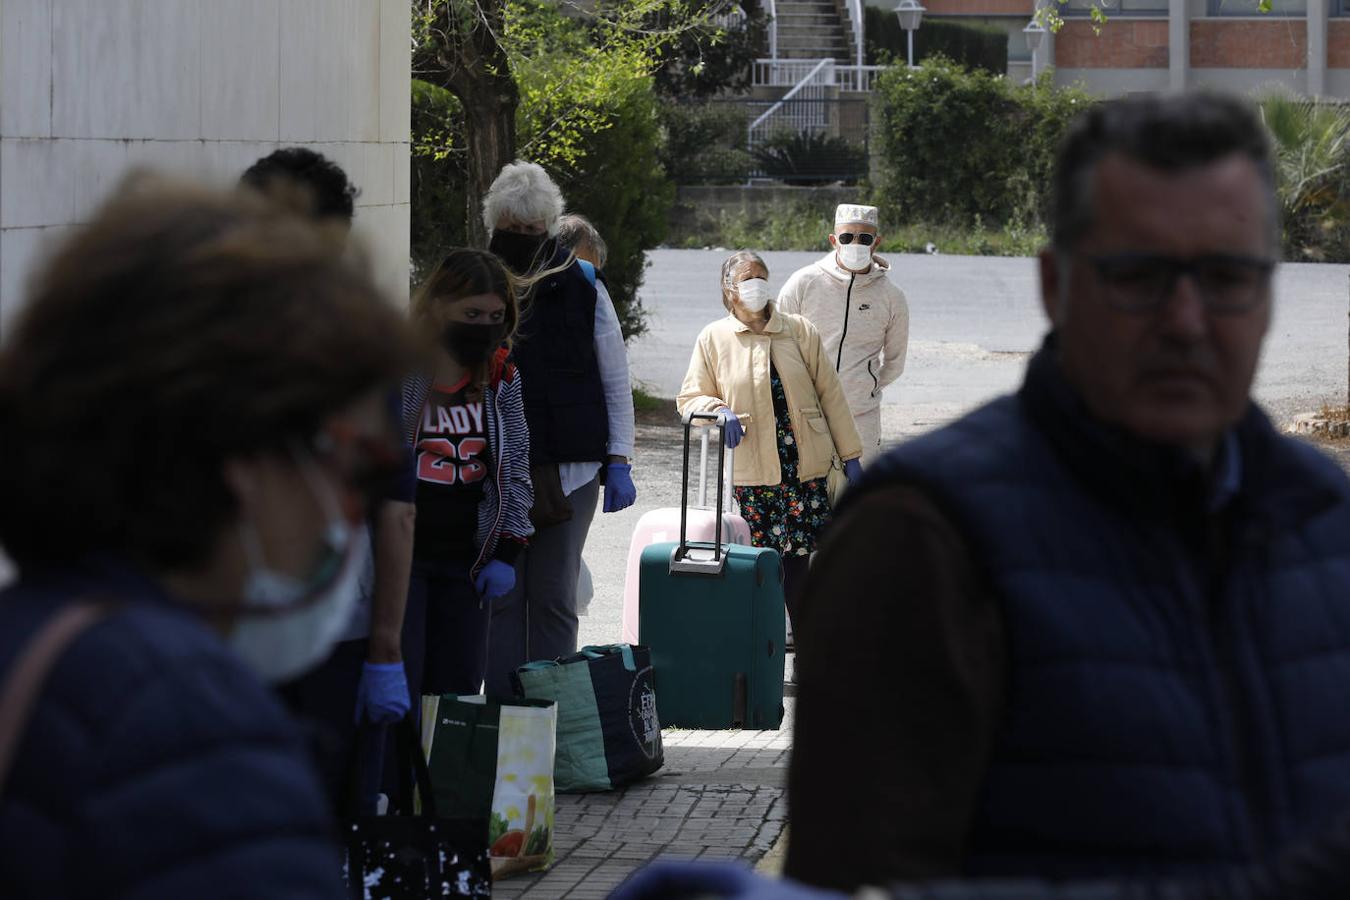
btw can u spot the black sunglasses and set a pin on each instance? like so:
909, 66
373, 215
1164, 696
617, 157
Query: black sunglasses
1140, 282
849, 237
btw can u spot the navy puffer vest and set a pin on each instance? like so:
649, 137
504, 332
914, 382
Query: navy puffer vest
1179, 685
560, 374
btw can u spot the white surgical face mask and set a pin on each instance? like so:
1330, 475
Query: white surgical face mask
290, 624
854, 257
754, 294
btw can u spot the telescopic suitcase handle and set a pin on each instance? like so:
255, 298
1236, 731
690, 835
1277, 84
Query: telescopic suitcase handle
681, 560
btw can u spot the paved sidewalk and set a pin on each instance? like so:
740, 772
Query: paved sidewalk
720, 796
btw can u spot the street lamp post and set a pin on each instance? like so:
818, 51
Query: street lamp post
1035, 33
910, 14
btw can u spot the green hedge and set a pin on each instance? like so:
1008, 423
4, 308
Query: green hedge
705, 142
439, 176
965, 146
975, 46
626, 195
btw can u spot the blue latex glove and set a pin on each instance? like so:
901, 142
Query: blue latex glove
495, 580
853, 471
620, 492
735, 430
695, 879
382, 694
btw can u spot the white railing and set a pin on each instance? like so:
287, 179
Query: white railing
785, 115
783, 72
860, 79
788, 72
855, 15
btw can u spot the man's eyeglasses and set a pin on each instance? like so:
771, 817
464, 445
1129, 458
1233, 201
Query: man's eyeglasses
849, 237
1141, 282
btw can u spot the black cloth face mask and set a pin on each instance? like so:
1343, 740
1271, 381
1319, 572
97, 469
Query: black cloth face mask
472, 345
519, 251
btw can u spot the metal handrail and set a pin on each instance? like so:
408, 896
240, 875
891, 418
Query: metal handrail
773, 29
801, 85
855, 12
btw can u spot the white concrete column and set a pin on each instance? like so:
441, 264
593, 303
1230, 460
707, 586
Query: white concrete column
1179, 44
1317, 47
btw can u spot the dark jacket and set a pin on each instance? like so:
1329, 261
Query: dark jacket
155, 765
1176, 685
1318, 869
560, 373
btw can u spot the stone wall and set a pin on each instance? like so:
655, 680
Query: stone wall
90, 89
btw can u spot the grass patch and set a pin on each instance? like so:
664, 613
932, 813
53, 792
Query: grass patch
804, 228
957, 241
644, 402
650, 409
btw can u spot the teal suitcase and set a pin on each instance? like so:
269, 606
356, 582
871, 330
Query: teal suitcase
712, 614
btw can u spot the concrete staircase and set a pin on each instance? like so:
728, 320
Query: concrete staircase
814, 29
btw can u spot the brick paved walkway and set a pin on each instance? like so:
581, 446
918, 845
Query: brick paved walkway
720, 796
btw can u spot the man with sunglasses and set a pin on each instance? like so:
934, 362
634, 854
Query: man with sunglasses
1109, 616
863, 318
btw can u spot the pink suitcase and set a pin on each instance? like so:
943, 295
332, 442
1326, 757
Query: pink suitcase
662, 525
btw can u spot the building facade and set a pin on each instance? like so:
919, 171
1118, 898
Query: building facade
91, 89
1300, 46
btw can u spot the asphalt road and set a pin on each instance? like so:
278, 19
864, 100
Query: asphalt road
973, 321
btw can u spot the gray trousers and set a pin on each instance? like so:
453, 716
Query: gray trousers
538, 618
869, 429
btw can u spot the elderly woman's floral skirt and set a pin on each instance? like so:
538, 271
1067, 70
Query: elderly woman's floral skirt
787, 516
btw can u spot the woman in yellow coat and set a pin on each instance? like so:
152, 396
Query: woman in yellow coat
769, 376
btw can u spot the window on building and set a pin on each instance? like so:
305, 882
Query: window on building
1286, 8
1116, 7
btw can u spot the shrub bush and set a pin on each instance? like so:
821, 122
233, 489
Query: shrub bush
628, 197
811, 157
960, 144
975, 46
705, 142
438, 177
1312, 165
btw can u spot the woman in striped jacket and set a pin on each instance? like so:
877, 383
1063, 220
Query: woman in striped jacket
466, 421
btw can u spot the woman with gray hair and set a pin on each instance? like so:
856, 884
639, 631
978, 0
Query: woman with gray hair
579, 407
767, 373
578, 234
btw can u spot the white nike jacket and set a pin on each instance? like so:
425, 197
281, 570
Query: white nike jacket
863, 321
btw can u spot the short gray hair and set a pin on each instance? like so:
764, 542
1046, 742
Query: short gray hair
575, 230
1171, 133
729, 267
523, 192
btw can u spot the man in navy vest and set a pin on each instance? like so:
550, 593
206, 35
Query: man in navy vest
1100, 627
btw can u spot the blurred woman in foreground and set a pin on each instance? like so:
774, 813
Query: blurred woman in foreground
194, 413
